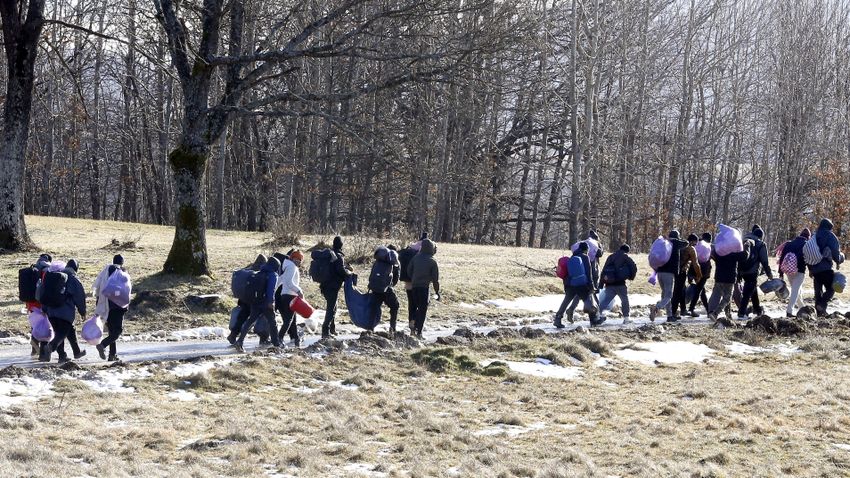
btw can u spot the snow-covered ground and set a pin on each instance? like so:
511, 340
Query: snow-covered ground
540, 368
650, 353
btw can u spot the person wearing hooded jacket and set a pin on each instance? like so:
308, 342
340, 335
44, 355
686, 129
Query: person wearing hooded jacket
760, 264
823, 272
388, 296
265, 307
575, 293
41, 265
408, 285
113, 312
423, 271
688, 266
795, 246
705, 273
725, 276
62, 317
618, 261
667, 278
288, 288
244, 307
330, 289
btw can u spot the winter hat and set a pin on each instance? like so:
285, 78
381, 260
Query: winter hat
273, 264
259, 262
592, 234
423, 236
45, 257
674, 234
625, 248
707, 237
758, 231
296, 255
338, 243
72, 264
118, 260
806, 233
825, 224
583, 247
692, 238
392, 247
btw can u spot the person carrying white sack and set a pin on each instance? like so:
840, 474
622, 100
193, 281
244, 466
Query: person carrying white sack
112, 292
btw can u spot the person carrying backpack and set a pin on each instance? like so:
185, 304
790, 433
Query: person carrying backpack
595, 260
688, 267
287, 288
28, 278
757, 263
619, 268
823, 272
792, 265
245, 307
705, 273
116, 312
405, 256
384, 275
262, 289
667, 278
423, 271
725, 276
330, 288
61, 317
580, 279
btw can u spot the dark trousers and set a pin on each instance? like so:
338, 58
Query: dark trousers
749, 294
288, 317
244, 313
331, 294
679, 303
265, 312
700, 295
420, 306
823, 290
115, 327
61, 330
389, 299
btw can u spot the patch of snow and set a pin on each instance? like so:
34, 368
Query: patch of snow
183, 395
744, 349
363, 469
464, 305
540, 368
189, 369
453, 471
305, 389
200, 333
14, 341
786, 349
509, 430
346, 386
666, 352
14, 391
112, 381
842, 446
551, 302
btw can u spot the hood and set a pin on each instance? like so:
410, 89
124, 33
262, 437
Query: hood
428, 247
825, 224
42, 264
273, 265
259, 262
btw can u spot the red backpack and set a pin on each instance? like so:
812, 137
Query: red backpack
562, 271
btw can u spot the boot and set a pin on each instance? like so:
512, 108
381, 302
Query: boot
113, 358
231, 339
36, 347
45, 353
238, 346
101, 351
64, 360
653, 312
80, 354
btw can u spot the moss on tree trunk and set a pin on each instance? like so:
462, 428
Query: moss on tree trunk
188, 255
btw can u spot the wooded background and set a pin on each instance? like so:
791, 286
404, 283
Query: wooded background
627, 116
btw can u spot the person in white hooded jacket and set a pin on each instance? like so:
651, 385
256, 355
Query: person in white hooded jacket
288, 287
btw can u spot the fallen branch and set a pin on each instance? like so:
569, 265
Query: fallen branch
528, 268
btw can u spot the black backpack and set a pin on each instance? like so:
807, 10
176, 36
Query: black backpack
321, 269
404, 257
255, 288
27, 283
381, 277
239, 280
52, 289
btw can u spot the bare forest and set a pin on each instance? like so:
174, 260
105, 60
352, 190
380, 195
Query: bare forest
492, 122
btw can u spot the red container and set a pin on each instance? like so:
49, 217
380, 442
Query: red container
301, 307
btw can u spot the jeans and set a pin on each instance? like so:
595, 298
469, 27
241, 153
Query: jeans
331, 295
795, 299
823, 290
749, 293
721, 296
609, 293
420, 306
389, 299
257, 311
115, 327
666, 280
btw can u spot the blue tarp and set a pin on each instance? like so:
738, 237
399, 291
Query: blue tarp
364, 310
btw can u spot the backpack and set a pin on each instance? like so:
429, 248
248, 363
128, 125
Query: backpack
404, 257
239, 280
610, 273
561, 270
789, 265
578, 278
381, 277
255, 288
811, 252
27, 283
320, 268
117, 289
51, 291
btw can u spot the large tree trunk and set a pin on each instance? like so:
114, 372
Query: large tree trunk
20, 36
188, 253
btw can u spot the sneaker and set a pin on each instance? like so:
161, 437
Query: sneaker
80, 355
45, 353
693, 314
101, 351
63, 360
231, 339
113, 358
653, 312
627, 321
570, 317
598, 322
238, 347
790, 316
673, 319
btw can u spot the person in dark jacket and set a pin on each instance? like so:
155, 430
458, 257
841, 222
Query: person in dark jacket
576, 293
795, 279
388, 296
424, 271
624, 268
62, 317
330, 289
264, 308
41, 265
244, 307
115, 317
823, 273
725, 276
688, 267
756, 264
705, 270
667, 278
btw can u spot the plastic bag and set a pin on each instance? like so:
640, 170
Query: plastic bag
41, 328
653, 279
703, 251
772, 285
728, 241
839, 281
592, 247
92, 331
660, 252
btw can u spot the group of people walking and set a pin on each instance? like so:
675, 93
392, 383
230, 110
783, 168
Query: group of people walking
52, 288
271, 285
686, 266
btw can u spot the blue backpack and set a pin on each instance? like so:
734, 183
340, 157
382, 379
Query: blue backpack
578, 278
